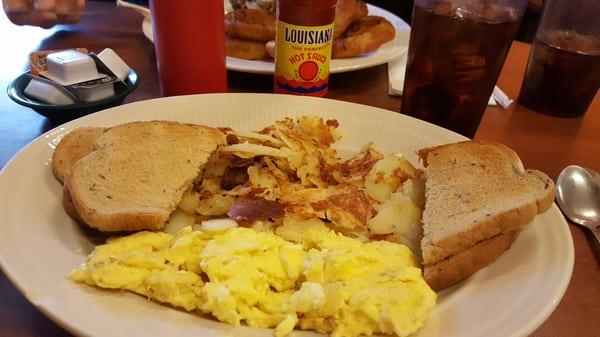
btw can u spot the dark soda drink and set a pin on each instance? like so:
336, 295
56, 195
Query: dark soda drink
563, 73
455, 56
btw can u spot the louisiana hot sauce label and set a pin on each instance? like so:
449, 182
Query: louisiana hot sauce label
302, 59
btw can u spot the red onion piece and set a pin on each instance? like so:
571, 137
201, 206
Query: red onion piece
250, 209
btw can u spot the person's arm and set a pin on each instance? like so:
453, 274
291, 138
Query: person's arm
43, 13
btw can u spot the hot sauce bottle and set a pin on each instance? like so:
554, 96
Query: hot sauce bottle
303, 46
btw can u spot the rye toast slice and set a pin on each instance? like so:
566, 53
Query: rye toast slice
72, 147
478, 197
138, 173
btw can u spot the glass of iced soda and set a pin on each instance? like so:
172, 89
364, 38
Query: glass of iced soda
563, 72
456, 51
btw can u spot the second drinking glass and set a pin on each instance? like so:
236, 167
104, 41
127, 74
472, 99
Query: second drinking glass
456, 51
563, 72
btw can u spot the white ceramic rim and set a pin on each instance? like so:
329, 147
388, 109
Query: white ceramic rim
511, 297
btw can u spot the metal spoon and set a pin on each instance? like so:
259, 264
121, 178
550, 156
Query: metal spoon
578, 195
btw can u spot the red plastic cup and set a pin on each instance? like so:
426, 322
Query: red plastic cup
189, 39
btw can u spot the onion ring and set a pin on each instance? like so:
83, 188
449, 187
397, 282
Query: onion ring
251, 24
246, 49
346, 12
363, 35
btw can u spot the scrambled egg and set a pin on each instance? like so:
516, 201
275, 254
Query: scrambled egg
326, 281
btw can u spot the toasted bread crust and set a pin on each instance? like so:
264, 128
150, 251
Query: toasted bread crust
69, 207
462, 265
488, 227
72, 147
138, 173
475, 191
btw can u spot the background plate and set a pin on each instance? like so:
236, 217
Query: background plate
40, 244
382, 55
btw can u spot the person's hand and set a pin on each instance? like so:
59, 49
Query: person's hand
43, 13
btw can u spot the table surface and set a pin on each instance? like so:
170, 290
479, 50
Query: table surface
543, 142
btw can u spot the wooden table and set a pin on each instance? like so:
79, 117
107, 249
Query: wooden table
545, 143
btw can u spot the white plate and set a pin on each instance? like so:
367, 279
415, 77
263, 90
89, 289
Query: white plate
382, 55
40, 244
